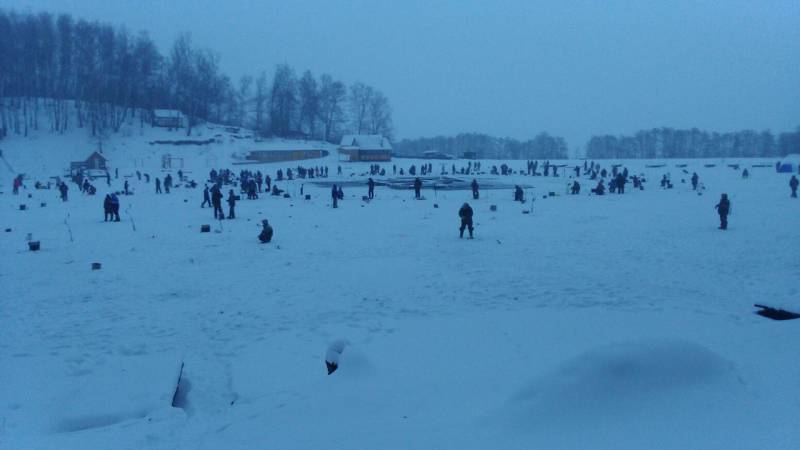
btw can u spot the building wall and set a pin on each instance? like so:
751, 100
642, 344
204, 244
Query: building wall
284, 155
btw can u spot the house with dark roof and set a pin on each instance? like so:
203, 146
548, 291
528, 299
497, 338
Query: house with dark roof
365, 147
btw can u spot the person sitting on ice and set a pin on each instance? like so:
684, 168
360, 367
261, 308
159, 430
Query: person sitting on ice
276, 191
519, 196
600, 189
576, 188
266, 233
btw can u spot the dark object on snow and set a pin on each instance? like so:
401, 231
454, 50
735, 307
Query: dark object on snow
96, 266
308, 196
775, 314
435, 205
525, 211
287, 195
178, 398
266, 233
33, 246
43, 204
8, 230
331, 367
709, 165
333, 354
551, 194
205, 228
22, 207
493, 208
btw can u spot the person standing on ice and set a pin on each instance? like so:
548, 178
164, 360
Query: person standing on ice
475, 192
417, 187
465, 213
206, 197
107, 214
723, 209
335, 196
695, 179
167, 183
115, 207
63, 188
793, 185
371, 188
216, 202
158, 185
231, 204
127, 192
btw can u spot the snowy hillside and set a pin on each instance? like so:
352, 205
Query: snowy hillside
621, 321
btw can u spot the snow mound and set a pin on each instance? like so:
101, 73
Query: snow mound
624, 378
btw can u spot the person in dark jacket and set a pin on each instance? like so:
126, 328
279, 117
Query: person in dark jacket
465, 213
620, 183
475, 193
371, 188
600, 189
115, 207
216, 202
231, 204
695, 179
723, 209
519, 196
206, 197
576, 188
63, 189
167, 183
417, 188
793, 185
335, 196
266, 233
107, 214
126, 186
158, 185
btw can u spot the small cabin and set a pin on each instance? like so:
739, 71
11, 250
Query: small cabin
95, 161
167, 118
366, 147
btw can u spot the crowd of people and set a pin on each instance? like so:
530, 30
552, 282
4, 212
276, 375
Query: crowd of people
253, 183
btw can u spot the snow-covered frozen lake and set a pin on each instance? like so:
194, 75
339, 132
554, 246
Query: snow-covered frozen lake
622, 321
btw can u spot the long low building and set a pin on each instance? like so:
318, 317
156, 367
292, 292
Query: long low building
365, 147
269, 156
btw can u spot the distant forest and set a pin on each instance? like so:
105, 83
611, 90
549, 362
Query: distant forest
53, 66
542, 146
694, 143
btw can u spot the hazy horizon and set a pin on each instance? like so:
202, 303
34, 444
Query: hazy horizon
514, 69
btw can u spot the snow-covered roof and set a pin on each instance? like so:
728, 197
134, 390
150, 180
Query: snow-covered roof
167, 113
365, 142
791, 158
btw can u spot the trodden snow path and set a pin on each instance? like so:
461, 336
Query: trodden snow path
594, 322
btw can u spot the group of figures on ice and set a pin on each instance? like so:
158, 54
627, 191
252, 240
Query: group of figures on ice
253, 183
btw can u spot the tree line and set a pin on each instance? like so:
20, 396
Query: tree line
693, 143
483, 146
54, 70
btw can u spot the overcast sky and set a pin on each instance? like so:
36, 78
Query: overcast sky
508, 68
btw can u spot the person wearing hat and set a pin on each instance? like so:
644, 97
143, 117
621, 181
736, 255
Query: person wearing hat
266, 233
723, 209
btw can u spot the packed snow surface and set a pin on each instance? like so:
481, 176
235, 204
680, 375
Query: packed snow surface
621, 321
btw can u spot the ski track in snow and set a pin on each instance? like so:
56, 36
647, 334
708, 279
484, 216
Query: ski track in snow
444, 332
